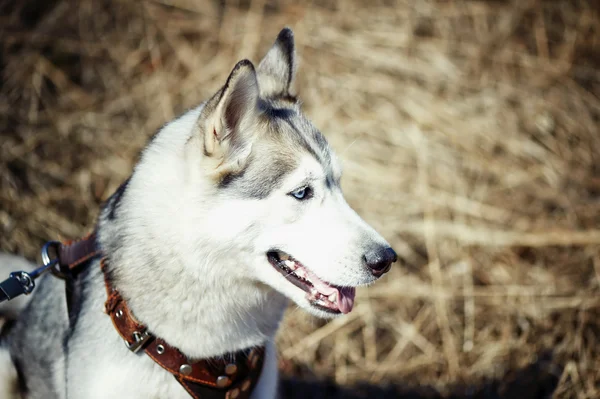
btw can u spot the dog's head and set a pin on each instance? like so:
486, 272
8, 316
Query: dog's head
294, 230
262, 192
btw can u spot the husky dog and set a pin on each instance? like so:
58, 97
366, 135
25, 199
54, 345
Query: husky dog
234, 208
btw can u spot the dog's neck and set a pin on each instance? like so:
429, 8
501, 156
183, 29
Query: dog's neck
189, 294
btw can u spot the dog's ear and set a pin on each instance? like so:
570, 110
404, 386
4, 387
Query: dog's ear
277, 70
227, 120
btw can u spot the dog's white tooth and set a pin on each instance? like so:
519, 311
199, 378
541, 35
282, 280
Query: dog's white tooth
291, 264
301, 272
333, 297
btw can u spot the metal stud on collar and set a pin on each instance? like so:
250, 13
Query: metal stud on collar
160, 349
185, 369
230, 369
252, 355
254, 360
223, 381
246, 385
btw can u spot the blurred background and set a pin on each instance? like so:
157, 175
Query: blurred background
469, 134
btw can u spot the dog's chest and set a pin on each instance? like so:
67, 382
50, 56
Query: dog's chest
131, 378
104, 369
100, 366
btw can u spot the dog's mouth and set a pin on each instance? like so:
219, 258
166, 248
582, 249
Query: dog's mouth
321, 295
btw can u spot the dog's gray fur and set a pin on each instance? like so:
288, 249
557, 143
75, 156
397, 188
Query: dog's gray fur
187, 237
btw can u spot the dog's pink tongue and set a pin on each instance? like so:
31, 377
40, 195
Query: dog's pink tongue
345, 299
345, 295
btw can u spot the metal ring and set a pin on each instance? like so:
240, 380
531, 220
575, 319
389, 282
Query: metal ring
53, 264
46, 255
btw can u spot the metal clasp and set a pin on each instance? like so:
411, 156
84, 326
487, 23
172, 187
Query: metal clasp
21, 282
51, 264
141, 338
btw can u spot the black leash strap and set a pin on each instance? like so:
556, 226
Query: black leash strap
18, 283
22, 283
60, 259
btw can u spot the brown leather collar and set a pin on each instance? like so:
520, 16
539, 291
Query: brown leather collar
232, 376
74, 253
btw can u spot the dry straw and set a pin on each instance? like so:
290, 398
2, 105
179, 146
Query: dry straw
469, 135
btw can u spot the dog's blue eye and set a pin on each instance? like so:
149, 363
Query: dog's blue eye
302, 193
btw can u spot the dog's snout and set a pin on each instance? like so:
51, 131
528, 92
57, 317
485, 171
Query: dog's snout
380, 259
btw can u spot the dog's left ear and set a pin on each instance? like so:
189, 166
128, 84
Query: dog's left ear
226, 122
277, 70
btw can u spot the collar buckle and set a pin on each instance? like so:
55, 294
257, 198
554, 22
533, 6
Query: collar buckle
140, 340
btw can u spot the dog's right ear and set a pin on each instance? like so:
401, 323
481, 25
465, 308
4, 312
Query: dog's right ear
277, 69
228, 117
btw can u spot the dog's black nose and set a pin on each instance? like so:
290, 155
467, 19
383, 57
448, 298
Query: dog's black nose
380, 260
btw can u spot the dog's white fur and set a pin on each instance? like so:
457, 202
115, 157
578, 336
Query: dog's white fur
190, 258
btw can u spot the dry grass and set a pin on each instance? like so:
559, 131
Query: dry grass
468, 131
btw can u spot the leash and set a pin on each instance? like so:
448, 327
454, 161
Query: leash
60, 259
232, 376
